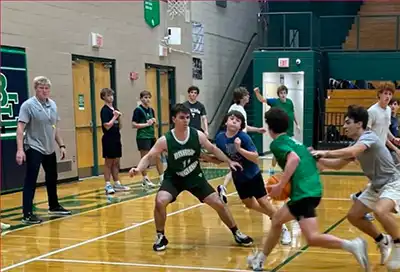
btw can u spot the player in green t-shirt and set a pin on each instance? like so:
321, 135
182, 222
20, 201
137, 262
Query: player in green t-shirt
143, 119
183, 145
300, 169
284, 103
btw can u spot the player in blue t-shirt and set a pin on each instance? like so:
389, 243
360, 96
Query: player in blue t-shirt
249, 183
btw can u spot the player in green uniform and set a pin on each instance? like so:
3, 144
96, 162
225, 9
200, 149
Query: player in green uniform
284, 103
299, 168
183, 145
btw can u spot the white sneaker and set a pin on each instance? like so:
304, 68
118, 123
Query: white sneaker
359, 248
121, 188
256, 261
148, 184
5, 226
385, 247
286, 237
394, 263
109, 189
222, 193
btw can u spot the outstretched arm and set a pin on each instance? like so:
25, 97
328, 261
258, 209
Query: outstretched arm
333, 163
343, 153
259, 96
212, 148
159, 147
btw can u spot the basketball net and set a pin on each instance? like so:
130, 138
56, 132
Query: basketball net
176, 8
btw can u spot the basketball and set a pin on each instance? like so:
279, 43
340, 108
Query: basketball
285, 192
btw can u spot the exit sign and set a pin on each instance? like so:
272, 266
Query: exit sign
283, 62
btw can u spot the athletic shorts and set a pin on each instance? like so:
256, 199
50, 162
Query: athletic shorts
389, 191
112, 148
304, 208
247, 188
197, 186
145, 144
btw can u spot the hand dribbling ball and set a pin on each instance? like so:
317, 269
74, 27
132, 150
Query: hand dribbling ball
285, 193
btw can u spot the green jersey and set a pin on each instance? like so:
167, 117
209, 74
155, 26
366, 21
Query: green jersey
288, 107
306, 181
183, 157
141, 115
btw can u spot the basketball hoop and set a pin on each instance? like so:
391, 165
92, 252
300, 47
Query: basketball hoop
177, 8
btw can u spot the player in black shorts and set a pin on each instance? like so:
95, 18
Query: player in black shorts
144, 121
111, 141
183, 145
249, 183
300, 169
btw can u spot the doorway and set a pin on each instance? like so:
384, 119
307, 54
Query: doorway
160, 82
90, 75
294, 81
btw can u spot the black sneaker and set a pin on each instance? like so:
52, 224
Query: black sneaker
59, 211
243, 239
222, 193
161, 242
31, 219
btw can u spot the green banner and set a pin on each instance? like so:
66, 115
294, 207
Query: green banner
152, 12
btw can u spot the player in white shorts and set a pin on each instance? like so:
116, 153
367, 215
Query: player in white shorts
379, 116
382, 196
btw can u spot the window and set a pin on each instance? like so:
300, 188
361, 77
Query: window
197, 68
197, 38
294, 38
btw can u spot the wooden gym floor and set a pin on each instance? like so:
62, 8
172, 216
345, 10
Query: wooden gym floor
116, 233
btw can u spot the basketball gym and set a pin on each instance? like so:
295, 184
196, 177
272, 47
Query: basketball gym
329, 55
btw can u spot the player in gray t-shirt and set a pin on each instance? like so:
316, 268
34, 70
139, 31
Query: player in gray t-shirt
382, 196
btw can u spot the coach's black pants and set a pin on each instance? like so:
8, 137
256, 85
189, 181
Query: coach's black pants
33, 161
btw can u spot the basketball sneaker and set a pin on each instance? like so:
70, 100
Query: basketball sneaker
286, 237
31, 219
59, 210
147, 184
243, 239
118, 187
4, 226
385, 247
359, 248
222, 193
256, 261
109, 189
160, 243
394, 263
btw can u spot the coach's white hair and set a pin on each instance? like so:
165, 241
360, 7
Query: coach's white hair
41, 80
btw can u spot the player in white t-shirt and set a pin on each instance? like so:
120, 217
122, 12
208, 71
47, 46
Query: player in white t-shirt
379, 116
240, 98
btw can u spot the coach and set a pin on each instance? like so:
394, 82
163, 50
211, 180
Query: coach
38, 119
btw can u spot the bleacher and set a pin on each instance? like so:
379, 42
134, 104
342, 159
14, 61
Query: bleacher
378, 24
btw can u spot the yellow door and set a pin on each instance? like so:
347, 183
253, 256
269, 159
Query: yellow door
151, 86
102, 80
83, 117
164, 107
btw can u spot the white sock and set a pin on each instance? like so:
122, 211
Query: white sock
117, 182
162, 177
108, 183
284, 227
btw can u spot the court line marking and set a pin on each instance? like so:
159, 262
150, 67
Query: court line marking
144, 265
100, 237
152, 192
304, 248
